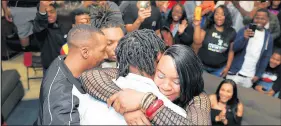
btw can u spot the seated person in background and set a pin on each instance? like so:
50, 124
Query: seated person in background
112, 28
137, 17
269, 77
215, 42
79, 16
226, 107
177, 22
61, 91
178, 76
253, 50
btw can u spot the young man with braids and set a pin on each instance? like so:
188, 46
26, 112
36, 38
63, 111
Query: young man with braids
116, 14
61, 92
137, 55
102, 19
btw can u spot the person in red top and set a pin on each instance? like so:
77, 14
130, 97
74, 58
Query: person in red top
172, 3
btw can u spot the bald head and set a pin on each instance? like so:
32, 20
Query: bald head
83, 35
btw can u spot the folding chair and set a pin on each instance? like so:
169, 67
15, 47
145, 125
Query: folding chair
33, 62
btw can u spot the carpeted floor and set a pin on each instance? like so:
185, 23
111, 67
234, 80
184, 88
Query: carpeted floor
25, 113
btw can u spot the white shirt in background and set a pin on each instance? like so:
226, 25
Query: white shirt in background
253, 52
97, 112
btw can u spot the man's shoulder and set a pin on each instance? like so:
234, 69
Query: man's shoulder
55, 73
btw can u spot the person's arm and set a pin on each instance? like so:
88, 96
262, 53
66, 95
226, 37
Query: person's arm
264, 60
240, 41
198, 113
41, 20
243, 12
198, 36
7, 12
239, 114
229, 59
186, 37
98, 82
230, 55
131, 24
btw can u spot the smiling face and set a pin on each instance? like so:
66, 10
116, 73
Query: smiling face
261, 19
52, 14
219, 16
177, 13
275, 60
226, 92
166, 78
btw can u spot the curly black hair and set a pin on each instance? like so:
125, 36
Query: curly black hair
140, 49
227, 22
170, 16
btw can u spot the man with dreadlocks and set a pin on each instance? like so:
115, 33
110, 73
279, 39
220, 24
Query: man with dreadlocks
137, 55
101, 18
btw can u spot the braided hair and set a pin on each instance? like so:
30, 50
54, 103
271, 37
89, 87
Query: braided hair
103, 17
139, 49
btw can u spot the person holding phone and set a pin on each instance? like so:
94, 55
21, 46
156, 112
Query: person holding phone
253, 50
141, 15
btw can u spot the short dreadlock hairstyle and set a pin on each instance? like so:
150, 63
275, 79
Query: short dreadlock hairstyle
139, 49
78, 12
103, 17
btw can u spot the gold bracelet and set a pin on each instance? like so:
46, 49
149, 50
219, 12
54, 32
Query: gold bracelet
144, 98
149, 101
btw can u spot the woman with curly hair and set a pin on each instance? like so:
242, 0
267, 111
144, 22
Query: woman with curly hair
177, 23
215, 41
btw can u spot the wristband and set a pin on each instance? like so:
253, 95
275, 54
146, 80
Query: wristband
153, 108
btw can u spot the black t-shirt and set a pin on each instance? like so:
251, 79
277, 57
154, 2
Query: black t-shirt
152, 22
215, 47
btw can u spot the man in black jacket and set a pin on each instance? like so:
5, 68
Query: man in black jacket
61, 92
